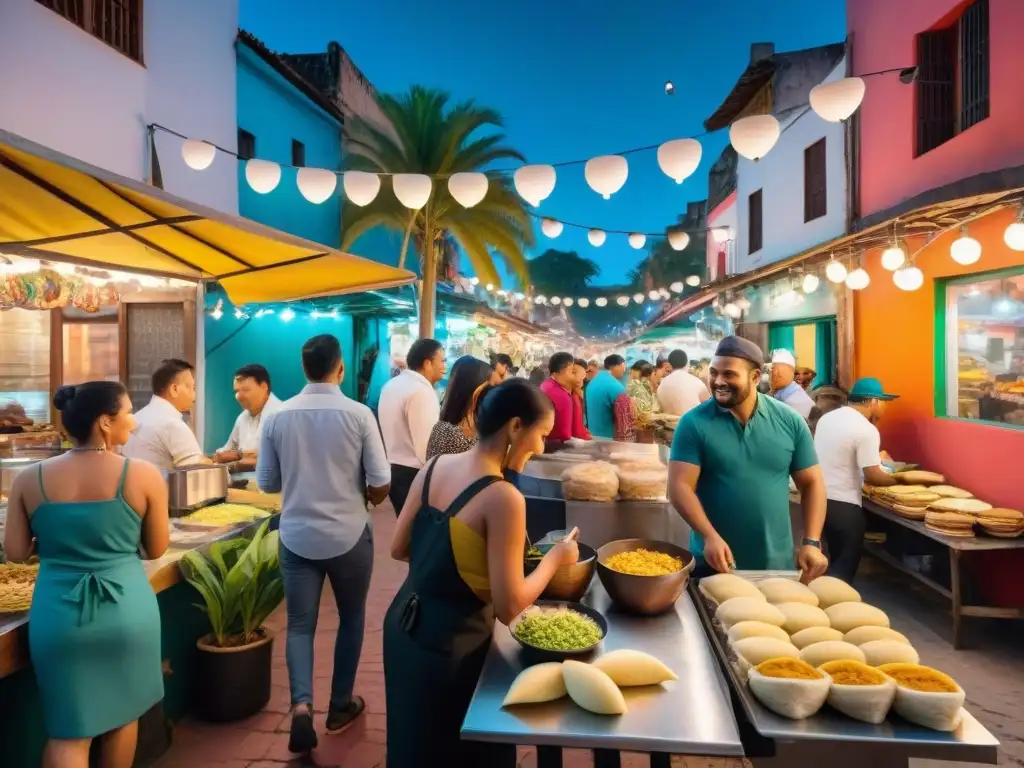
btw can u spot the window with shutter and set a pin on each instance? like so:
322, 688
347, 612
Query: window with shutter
952, 81
246, 145
298, 153
815, 181
118, 23
755, 223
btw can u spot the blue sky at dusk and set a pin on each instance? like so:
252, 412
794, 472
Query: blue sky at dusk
572, 79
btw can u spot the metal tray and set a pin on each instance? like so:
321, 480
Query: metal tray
971, 742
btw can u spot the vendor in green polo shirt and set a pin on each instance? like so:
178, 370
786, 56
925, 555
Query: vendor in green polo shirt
732, 457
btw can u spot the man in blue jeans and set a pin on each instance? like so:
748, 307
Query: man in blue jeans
324, 452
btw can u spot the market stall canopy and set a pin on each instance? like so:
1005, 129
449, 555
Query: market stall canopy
56, 207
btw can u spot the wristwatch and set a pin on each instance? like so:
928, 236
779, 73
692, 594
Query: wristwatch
816, 543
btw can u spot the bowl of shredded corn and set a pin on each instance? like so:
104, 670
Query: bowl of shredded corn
644, 575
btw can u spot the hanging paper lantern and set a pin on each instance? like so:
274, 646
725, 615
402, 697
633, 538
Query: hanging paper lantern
540, 300
720, 234
468, 189
743, 303
679, 158
838, 100
263, 176
965, 249
489, 286
198, 154
606, 174
551, 227
908, 278
638, 298
412, 189
835, 271
556, 300
519, 295
360, 187
567, 301
677, 287
584, 302
534, 183
754, 136
893, 258
316, 184
732, 311
693, 281
1014, 236
622, 301
601, 301
597, 237
654, 295
678, 240
858, 279
637, 240
811, 283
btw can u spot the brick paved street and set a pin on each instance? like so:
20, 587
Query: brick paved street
991, 670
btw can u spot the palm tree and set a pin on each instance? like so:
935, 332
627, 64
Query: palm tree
428, 136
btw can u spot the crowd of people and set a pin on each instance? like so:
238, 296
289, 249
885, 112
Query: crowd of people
450, 470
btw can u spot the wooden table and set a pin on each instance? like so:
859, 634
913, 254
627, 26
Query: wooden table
956, 547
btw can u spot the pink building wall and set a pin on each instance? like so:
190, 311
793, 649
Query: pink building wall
883, 34
723, 215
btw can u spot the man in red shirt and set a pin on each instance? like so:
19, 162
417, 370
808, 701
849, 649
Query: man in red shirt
568, 409
579, 413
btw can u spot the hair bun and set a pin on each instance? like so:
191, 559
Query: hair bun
63, 397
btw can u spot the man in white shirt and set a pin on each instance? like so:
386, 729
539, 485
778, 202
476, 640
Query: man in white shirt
161, 435
785, 388
408, 410
322, 451
680, 391
252, 391
848, 447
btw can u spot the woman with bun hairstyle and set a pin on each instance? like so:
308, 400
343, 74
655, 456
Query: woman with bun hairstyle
94, 636
463, 532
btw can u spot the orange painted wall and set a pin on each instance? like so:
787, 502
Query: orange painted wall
895, 337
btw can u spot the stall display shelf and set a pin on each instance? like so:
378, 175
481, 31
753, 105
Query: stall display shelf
893, 742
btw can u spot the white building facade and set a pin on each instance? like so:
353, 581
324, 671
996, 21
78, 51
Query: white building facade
89, 88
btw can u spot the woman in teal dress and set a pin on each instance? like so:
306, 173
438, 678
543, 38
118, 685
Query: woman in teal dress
94, 625
463, 533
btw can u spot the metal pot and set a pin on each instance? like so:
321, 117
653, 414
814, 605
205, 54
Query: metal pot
646, 595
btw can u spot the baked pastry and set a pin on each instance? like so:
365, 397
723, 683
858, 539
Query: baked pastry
1006, 523
950, 492
926, 696
847, 616
859, 691
748, 609
879, 652
919, 477
592, 689
725, 586
630, 668
778, 590
812, 635
831, 591
754, 650
745, 629
800, 616
963, 506
831, 650
590, 481
789, 687
950, 523
870, 632
638, 485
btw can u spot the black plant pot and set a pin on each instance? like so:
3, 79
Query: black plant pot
233, 683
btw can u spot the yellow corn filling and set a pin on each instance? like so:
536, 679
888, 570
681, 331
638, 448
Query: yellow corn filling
848, 672
792, 669
920, 678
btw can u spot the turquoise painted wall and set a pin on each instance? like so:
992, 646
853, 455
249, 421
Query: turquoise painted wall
274, 344
275, 112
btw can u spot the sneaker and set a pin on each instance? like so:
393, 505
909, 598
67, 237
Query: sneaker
340, 718
302, 738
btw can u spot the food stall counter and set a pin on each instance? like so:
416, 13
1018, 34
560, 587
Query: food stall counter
692, 715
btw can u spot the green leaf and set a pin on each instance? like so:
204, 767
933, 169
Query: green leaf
224, 554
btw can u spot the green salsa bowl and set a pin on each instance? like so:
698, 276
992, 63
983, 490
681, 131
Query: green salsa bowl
535, 638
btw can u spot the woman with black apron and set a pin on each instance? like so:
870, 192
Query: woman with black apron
463, 532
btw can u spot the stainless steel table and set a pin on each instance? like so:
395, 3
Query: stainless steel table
691, 716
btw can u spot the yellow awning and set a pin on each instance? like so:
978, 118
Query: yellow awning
56, 207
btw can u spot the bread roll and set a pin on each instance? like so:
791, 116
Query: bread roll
831, 591
813, 635
831, 650
536, 684
590, 481
631, 668
866, 634
725, 586
754, 650
879, 652
747, 629
786, 591
592, 689
847, 616
749, 609
789, 687
926, 696
859, 691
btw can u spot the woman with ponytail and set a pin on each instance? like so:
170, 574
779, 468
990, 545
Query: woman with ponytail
463, 533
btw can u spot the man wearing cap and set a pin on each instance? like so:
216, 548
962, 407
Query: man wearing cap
785, 388
732, 457
848, 443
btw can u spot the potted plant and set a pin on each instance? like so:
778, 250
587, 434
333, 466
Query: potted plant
240, 583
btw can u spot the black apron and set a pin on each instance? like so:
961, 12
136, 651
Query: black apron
436, 636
